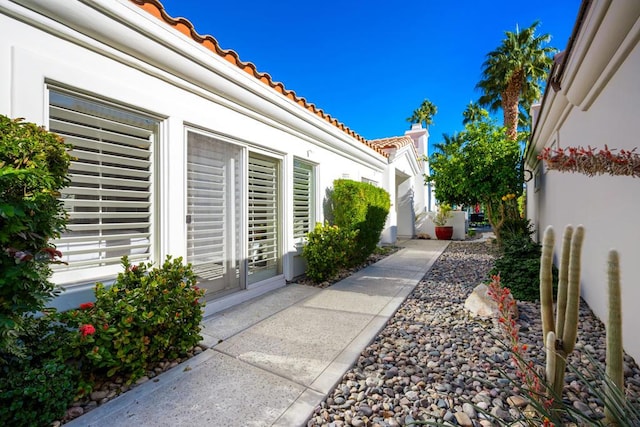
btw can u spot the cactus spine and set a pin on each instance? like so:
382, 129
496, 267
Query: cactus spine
565, 329
614, 358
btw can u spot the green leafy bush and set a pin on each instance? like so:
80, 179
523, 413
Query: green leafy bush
37, 390
326, 250
519, 267
148, 315
33, 169
363, 207
36, 394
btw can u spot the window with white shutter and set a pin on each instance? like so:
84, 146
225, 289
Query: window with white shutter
303, 197
263, 218
110, 198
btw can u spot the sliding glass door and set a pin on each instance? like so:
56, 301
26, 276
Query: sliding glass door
214, 213
264, 259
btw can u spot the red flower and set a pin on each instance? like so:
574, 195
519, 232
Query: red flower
86, 305
52, 252
87, 330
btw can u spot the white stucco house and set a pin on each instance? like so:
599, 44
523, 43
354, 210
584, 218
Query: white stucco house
182, 148
593, 99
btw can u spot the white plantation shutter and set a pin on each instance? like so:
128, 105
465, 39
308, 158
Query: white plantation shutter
302, 198
213, 221
110, 198
264, 256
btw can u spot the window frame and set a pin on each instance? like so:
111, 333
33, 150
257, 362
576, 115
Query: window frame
93, 272
312, 198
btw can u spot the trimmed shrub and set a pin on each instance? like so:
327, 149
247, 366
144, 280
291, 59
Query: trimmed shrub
363, 207
326, 251
33, 169
147, 316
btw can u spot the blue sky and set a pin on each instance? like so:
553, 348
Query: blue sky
370, 63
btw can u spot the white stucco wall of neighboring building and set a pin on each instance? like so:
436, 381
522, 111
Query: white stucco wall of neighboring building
598, 104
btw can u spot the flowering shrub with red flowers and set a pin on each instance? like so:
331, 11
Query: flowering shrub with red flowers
33, 169
591, 161
147, 316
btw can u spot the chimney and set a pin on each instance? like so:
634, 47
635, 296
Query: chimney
420, 137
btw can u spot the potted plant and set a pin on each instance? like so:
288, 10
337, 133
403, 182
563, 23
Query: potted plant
443, 231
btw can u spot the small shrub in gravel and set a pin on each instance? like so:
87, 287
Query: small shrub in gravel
519, 267
146, 316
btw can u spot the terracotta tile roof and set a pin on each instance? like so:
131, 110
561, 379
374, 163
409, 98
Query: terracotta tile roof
395, 142
155, 8
392, 142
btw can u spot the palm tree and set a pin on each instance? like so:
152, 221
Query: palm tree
450, 145
424, 113
514, 72
473, 113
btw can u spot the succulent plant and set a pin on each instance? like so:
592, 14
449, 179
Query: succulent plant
565, 327
560, 335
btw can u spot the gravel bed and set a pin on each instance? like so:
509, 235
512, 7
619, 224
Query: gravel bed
434, 362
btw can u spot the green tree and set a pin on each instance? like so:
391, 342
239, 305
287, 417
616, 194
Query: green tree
514, 72
424, 113
445, 163
473, 113
479, 165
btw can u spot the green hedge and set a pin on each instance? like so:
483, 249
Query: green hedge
363, 207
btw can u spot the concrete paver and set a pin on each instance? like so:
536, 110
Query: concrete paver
273, 359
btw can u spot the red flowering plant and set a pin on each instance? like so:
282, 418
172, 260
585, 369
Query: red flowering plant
526, 372
147, 316
591, 161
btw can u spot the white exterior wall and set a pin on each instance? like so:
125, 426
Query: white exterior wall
194, 89
598, 104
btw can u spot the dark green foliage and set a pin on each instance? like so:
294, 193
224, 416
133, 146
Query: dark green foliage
33, 169
37, 390
147, 316
326, 251
32, 394
363, 207
515, 227
519, 267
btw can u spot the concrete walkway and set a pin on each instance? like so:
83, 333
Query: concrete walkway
272, 360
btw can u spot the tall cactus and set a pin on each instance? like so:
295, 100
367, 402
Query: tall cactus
614, 357
565, 329
560, 336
